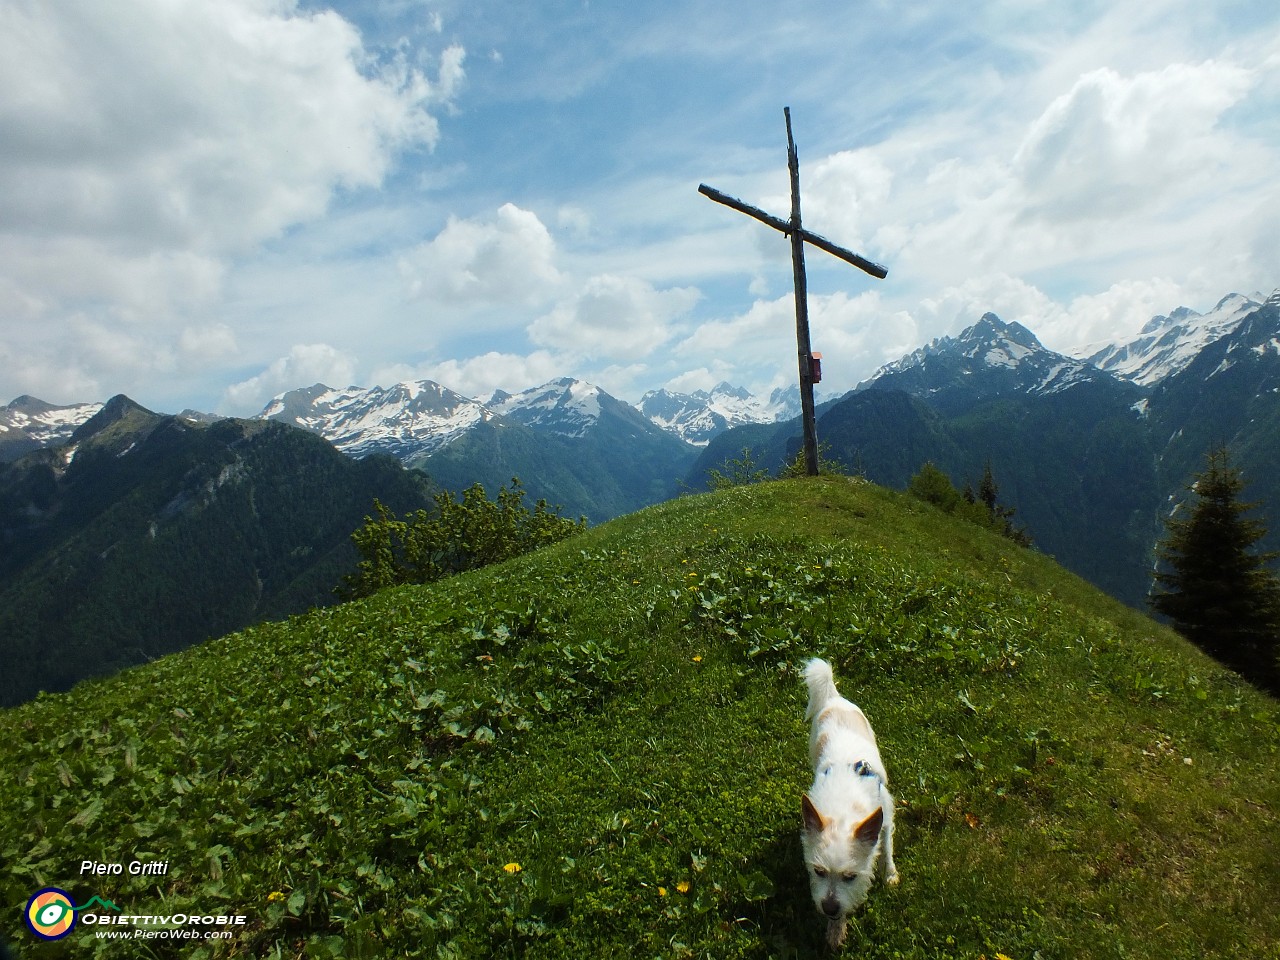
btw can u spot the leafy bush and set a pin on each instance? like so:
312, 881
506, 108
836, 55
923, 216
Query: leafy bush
933, 486
462, 535
738, 472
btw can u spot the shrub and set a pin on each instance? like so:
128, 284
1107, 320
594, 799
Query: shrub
462, 535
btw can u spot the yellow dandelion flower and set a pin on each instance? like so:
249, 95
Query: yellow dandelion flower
662, 891
275, 896
697, 659
683, 886
513, 867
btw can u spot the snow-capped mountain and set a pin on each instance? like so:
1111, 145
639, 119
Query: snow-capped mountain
1166, 345
414, 419
569, 441
406, 420
566, 407
27, 424
989, 359
1254, 340
697, 417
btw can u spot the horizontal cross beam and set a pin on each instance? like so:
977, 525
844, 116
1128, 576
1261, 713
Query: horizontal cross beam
822, 243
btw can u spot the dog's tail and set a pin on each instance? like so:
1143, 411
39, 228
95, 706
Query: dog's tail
822, 686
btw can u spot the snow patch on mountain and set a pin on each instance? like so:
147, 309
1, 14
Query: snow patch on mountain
44, 421
1008, 350
1167, 344
566, 407
28, 424
419, 416
697, 417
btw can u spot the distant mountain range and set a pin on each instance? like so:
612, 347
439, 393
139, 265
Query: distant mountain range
29, 424
1092, 449
568, 441
697, 417
1092, 458
1166, 345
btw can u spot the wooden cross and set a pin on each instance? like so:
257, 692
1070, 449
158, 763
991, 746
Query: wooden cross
809, 371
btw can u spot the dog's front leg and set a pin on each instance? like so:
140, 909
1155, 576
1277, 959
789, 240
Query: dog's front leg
888, 869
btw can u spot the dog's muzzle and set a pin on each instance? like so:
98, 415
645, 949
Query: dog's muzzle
831, 907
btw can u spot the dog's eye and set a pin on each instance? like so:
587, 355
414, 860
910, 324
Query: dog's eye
820, 873
848, 877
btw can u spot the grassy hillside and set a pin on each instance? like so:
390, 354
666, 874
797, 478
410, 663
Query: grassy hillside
598, 750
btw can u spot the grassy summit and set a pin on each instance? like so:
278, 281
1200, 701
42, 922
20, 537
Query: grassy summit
599, 750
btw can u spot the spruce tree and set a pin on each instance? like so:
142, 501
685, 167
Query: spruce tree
1217, 593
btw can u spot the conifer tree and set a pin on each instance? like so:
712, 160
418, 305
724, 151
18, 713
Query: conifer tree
1001, 517
1217, 593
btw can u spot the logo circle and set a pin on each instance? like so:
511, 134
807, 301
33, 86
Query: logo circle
50, 913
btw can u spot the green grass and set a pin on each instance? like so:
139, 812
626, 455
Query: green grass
598, 750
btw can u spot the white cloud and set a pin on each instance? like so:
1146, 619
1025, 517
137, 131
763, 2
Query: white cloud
1116, 313
1113, 144
146, 147
212, 342
53, 379
306, 364
616, 317
508, 259
700, 378
480, 376
216, 124
763, 332
845, 193
960, 305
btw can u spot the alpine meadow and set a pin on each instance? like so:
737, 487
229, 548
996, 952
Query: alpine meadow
599, 749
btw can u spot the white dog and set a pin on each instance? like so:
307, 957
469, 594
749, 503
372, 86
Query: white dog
848, 813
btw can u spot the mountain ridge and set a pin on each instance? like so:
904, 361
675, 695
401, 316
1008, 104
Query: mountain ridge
418, 417
1011, 358
1166, 345
1091, 459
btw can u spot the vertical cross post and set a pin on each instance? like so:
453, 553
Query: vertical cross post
804, 349
794, 229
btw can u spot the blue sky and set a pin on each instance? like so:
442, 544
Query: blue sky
206, 203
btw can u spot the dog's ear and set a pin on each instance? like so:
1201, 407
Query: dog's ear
868, 831
813, 820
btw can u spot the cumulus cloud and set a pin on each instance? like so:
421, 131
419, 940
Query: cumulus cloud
304, 365
212, 342
144, 146
480, 376
1113, 143
1115, 313
854, 334
700, 378
764, 333
217, 123
1118, 312
960, 305
506, 259
845, 192
616, 317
